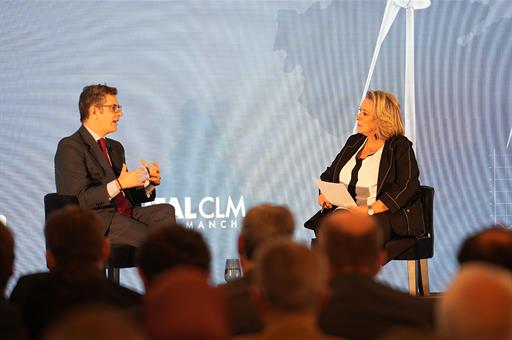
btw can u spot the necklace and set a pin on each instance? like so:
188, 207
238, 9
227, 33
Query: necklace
369, 150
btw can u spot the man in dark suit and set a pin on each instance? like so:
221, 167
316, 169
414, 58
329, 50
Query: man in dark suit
92, 168
168, 247
360, 307
76, 255
291, 285
262, 223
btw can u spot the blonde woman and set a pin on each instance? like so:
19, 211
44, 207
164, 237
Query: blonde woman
379, 168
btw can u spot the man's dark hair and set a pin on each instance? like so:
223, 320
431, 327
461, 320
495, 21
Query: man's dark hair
263, 223
93, 95
74, 235
168, 246
6, 256
492, 245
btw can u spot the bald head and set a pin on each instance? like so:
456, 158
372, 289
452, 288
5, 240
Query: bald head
493, 245
477, 305
351, 241
182, 305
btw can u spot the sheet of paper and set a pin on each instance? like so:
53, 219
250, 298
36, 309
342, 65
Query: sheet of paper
336, 193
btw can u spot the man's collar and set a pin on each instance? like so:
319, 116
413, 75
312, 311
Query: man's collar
93, 134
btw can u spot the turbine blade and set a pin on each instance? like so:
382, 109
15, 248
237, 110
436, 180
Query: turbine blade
409, 95
388, 18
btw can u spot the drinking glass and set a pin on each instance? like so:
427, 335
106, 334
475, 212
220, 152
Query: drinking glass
232, 271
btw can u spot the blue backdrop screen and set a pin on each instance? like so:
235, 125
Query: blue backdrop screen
242, 102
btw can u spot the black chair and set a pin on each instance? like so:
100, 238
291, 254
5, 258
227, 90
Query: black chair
417, 251
121, 255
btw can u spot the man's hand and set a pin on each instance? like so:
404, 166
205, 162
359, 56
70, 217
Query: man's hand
132, 179
153, 171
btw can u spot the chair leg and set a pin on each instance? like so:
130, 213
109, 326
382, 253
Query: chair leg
413, 280
417, 271
424, 284
113, 274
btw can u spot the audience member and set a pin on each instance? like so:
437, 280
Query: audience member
477, 304
279, 297
360, 307
261, 224
76, 253
167, 247
291, 284
181, 305
94, 322
11, 324
493, 245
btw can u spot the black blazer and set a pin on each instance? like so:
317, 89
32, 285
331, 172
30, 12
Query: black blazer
398, 186
44, 297
82, 170
11, 322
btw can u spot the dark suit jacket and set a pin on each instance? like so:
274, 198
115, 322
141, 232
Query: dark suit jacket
398, 186
44, 297
361, 308
82, 170
11, 323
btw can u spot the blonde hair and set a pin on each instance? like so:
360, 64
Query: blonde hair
386, 109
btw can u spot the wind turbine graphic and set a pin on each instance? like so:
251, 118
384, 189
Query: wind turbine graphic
390, 13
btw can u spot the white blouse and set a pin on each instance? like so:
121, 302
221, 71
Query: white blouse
367, 176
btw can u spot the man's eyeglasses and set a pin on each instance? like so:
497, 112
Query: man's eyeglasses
114, 107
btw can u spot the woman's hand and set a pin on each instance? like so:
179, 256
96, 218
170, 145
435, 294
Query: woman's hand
359, 208
377, 206
323, 202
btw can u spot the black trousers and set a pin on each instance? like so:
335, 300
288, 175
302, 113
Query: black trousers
133, 230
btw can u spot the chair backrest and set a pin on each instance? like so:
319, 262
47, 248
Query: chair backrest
424, 247
427, 199
409, 248
54, 202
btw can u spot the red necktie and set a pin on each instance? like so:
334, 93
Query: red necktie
122, 204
